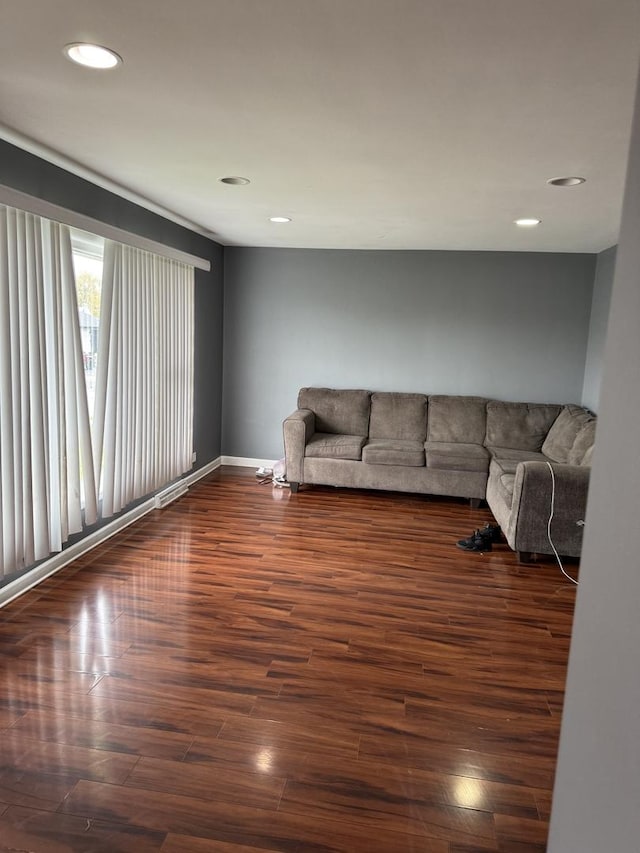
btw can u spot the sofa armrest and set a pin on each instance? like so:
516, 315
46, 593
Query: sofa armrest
531, 507
298, 429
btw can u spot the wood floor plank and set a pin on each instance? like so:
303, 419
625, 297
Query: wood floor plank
63, 650
60, 759
216, 673
410, 750
398, 783
521, 836
250, 757
188, 844
229, 645
34, 789
23, 829
164, 714
254, 670
326, 741
221, 702
239, 824
19, 680
543, 802
399, 809
209, 782
96, 734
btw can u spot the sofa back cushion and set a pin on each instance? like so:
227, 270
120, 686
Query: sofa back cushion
337, 412
398, 416
585, 439
522, 426
559, 441
457, 419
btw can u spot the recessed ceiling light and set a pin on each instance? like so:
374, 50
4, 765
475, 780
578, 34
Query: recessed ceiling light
279, 219
527, 222
570, 181
92, 55
234, 180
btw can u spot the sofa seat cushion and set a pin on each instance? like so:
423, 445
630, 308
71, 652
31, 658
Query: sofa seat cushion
523, 426
328, 446
382, 451
456, 456
562, 435
504, 460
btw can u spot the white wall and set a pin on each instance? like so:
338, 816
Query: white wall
596, 804
502, 324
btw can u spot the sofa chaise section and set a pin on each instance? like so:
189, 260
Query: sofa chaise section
542, 488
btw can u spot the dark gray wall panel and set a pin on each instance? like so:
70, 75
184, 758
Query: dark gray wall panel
507, 325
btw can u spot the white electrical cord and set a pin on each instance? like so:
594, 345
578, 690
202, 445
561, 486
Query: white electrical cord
553, 503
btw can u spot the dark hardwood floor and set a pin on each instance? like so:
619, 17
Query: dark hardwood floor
249, 669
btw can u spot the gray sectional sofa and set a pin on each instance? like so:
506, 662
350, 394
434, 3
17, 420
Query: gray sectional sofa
468, 447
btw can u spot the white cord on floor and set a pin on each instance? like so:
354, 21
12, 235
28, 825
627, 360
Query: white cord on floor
553, 504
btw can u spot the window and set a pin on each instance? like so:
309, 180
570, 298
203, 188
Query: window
88, 250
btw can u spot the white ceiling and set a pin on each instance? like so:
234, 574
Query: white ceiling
392, 124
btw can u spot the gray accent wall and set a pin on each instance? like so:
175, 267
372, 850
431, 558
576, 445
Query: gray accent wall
597, 791
508, 325
30, 174
602, 286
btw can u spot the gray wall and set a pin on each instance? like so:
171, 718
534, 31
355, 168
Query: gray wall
508, 325
30, 174
598, 328
597, 794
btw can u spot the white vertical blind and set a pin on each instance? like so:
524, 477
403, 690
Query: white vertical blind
143, 420
45, 441
51, 462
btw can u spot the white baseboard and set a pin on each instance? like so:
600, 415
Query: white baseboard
49, 567
194, 476
246, 462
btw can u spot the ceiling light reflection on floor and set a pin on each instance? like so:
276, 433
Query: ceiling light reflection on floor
264, 760
469, 793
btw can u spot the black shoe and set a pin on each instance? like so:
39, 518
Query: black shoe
476, 542
491, 532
